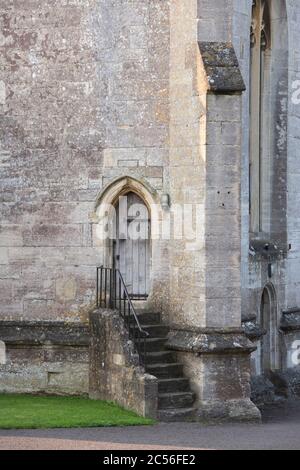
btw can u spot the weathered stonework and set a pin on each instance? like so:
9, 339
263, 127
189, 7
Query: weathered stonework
45, 357
97, 93
221, 67
218, 364
207, 341
115, 372
83, 100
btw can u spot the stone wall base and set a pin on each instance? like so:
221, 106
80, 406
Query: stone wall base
47, 378
276, 387
218, 366
45, 357
290, 380
218, 411
262, 391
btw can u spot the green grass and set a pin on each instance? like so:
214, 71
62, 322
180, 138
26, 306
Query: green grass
36, 412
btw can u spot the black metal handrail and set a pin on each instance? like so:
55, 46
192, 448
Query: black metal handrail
112, 293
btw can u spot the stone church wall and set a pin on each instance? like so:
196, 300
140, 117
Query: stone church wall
83, 100
96, 90
285, 267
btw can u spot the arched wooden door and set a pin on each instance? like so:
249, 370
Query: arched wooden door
132, 245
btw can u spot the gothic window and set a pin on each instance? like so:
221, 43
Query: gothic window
260, 47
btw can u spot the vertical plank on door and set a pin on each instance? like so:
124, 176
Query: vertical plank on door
132, 255
147, 260
142, 260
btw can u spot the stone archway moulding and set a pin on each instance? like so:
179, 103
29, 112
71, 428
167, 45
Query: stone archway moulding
104, 212
122, 185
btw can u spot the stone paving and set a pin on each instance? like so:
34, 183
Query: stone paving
280, 430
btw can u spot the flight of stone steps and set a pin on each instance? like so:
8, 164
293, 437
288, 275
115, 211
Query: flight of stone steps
175, 398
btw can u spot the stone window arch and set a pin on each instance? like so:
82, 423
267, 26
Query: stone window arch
268, 118
269, 347
260, 42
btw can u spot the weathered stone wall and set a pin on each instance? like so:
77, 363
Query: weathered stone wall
94, 90
186, 165
205, 156
293, 264
204, 170
44, 357
283, 174
83, 100
205, 134
115, 372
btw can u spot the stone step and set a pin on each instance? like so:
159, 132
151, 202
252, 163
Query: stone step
165, 370
173, 385
155, 344
175, 400
176, 415
160, 357
156, 331
147, 318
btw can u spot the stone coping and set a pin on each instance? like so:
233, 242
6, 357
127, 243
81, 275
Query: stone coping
290, 320
210, 342
44, 332
252, 330
249, 317
221, 67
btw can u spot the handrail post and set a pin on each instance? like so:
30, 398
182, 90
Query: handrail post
115, 289
144, 357
116, 296
110, 288
101, 285
97, 288
120, 297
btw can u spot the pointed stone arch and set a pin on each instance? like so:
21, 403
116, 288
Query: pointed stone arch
124, 184
105, 210
269, 323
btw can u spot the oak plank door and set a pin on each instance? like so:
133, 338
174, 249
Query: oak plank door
132, 245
